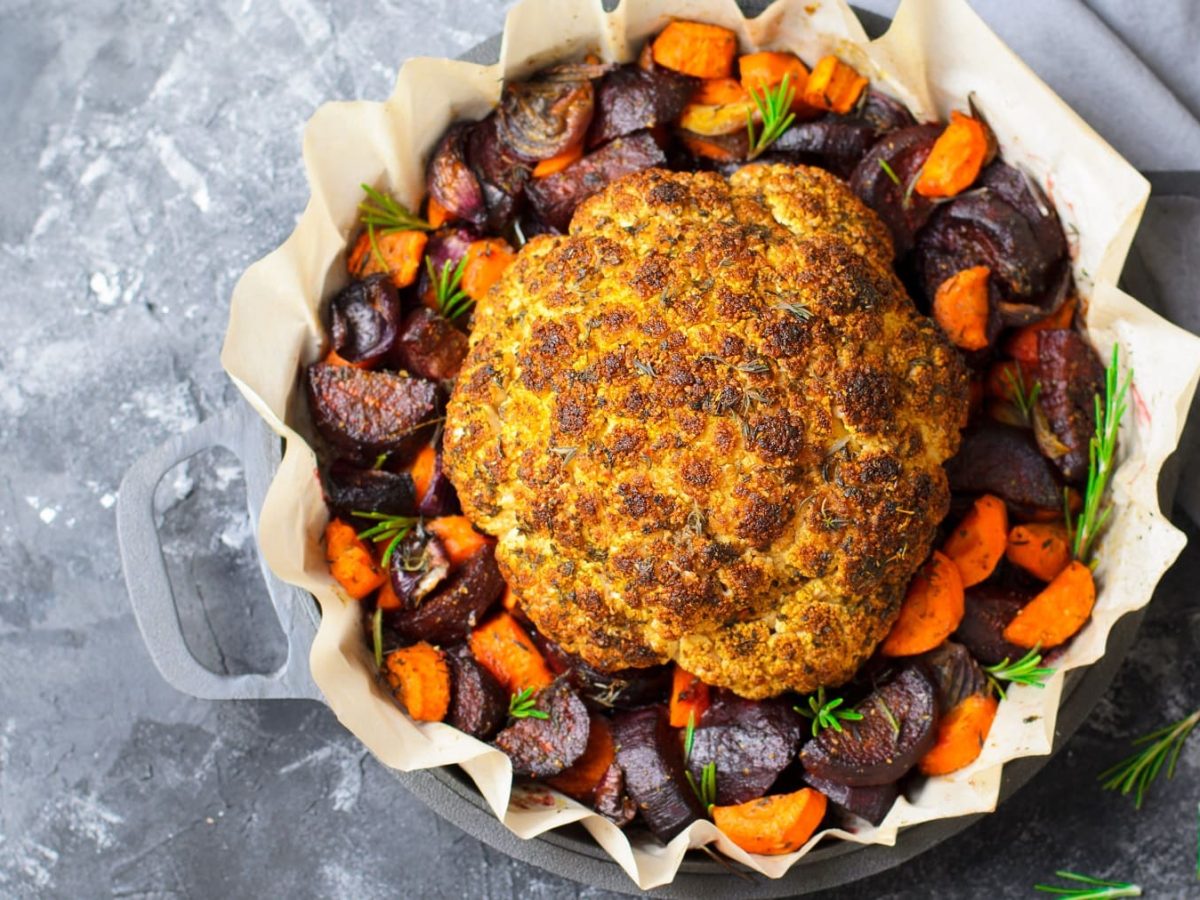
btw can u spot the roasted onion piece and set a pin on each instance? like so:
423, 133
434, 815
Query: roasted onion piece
364, 319
544, 116
450, 180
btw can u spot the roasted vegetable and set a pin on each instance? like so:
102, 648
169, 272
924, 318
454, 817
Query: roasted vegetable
837, 143
767, 69
622, 689
351, 561
961, 306
453, 610
631, 98
417, 566
898, 727
977, 543
959, 154
955, 673
552, 165
349, 488
390, 254
649, 754
447, 247
1022, 346
545, 115
435, 493
478, 702
504, 648
884, 113
932, 609
750, 741
960, 736
696, 49
458, 535
546, 746
1071, 376
502, 174
364, 320
610, 799
582, 777
834, 85
1004, 460
450, 181
1058, 612
430, 346
368, 413
987, 611
689, 699
728, 149
871, 803
419, 677
486, 262
772, 825
882, 179
1043, 549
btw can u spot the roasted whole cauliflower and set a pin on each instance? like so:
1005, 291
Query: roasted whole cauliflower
708, 425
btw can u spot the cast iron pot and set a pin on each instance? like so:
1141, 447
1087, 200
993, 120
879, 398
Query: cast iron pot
569, 852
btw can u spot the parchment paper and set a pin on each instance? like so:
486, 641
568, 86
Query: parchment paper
936, 52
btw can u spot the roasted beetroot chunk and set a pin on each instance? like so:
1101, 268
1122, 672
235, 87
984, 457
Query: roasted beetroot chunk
1072, 377
502, 174
835, 142
988, 609
430, 346
955, 673
450, 612
478, 702
451, 182
545, 115
1005, 460
898, 727
544, 747
649, 754
364, 320
630, 99
446, 246
750, 741
904, 152
623, 689
555, 197
349, 489
418, 565
610, 799
368, 413
884, 113
872, 803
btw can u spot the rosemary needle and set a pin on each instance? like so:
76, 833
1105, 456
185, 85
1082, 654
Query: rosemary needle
825, 713
1094, 889
1026, 670
774, 105
1138, 771
522, 706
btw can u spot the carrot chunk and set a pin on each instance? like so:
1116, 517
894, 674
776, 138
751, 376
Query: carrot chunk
458, 536
436, 214
933, 607
1006, 373
387, 599
772, 825
486, 262
959, 153
1040, 548
552, 165
402, 252
421, 471
1058, 612
504, 648
760, 71
689, 698
1023, 345
834, 86
718, 92
579, 780
979, 540
420, 680
960, 736
351, 561
961, 307
696, 49
707, 149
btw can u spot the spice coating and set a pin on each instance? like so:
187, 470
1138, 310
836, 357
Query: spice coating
708, 425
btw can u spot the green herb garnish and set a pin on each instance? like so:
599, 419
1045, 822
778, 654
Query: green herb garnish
825, 713
392, 529
1024, 671
452, 300
706, 790
522, 706
1139, 770
383, 214
689, 737
774, 105
1095, 890
377, 636
1025, 399
888, 170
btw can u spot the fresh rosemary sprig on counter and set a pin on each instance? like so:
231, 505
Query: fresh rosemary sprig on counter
825, 713
392, 529
774, 105
382, 214
522, 706
1101, 450
1026, 670
1139, 770
1095, 888
452, 300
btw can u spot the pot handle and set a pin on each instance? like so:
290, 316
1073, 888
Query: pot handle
241, 431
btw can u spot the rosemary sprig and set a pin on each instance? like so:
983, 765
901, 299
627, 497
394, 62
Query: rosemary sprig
1101, 450
521, 705
452, 300
888, 170
383, 214
706, 790
774, 105
1095, 890
377, 635
825, 713
689, 736
1025, 399
1139, 770
392, 529
1025, 670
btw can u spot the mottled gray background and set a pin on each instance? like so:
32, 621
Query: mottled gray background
148, 153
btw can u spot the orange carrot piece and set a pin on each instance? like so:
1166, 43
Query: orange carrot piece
387, 599
689, 698
436, 214
1041, 549
579, 780
421, 471
1060, 610
486, 262
707, 149
772, 825
1004, 374
333, 359
504, 648
979, 540
719, 92
960, 306
933, 607
509, 600
957, 157
555, 164
767, 69
420, 680
696, 49
458, 536
402, 252
834, 86
960, 736
1023, 345
351, 561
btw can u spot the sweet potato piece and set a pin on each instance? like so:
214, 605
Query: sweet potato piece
582, 777
767, 69
689, 698
420, 681
960, 736
452, 611
370, 412
430, 346
546, 747
988, 610
1072, 376
932, 609
962, 308
554, 164
504, 648
960, 153
1003, 376
696, 49
1042, 549
478, 702
436, 214
364, 321
898, 727
871, 803
610, 799
1004, 460
1023, 344
750, 741
649, 754
834, 85
351, 561
631, 99
351, 489
451, 183
772, 825
396, 255
459, 536
955, 674
420, 470
729, 148
1058, 612
711, 120
978, 541
904, 151
486, 262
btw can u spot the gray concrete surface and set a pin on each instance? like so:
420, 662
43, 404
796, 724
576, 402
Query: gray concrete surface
148, 153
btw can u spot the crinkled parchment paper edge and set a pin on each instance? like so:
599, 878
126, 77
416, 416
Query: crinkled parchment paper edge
936, 52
